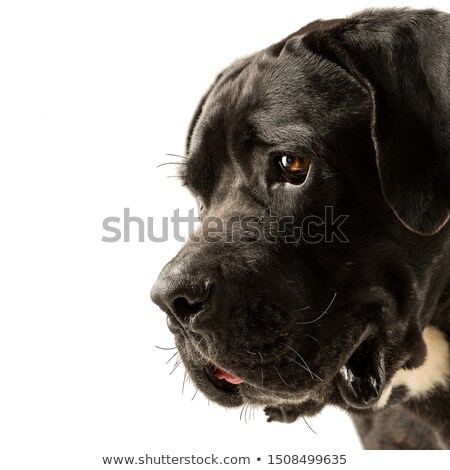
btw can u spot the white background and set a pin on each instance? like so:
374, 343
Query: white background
92, 96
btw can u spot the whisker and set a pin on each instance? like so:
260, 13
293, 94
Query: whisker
198, 344
306, 368
174, 176
312, 337
276, 370
301, 358
304, 362
300, 309
175, 367
307, 424
320, 316
167, 362
184, 382
175, 155
170, 163
242, 410
196, 390
165, 349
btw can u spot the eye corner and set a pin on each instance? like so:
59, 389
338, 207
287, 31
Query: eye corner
200, 205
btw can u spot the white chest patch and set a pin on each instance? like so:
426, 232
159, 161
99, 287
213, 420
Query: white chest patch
434, 372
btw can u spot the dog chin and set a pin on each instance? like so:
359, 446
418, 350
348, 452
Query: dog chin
357, 385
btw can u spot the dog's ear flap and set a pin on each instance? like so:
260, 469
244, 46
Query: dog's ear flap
403, 64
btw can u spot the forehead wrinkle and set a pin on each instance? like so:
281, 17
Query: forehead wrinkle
205, 153
211, 139
209, 149
297, 133
221, 91
221, 106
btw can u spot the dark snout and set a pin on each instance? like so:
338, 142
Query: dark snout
187, 294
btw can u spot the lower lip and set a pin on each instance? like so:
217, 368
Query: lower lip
222, 375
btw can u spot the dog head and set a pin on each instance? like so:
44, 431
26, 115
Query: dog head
344, 125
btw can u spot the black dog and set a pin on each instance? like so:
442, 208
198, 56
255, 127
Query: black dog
351, 115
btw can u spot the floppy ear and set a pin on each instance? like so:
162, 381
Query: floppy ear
402, 59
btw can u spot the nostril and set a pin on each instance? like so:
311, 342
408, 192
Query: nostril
182, 298
187, 308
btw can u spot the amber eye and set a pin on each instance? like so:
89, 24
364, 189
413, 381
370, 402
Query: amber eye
293, 168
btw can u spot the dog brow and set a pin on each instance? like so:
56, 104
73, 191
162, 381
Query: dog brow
268, 134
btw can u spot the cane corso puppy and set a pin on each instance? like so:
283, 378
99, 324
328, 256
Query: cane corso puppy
349, 117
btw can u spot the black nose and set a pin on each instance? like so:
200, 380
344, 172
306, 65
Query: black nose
184, 297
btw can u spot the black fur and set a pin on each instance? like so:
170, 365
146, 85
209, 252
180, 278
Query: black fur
368, 100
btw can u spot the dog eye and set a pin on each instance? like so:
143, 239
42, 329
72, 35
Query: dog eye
293, 168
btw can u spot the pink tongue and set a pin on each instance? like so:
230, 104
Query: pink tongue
221, 374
